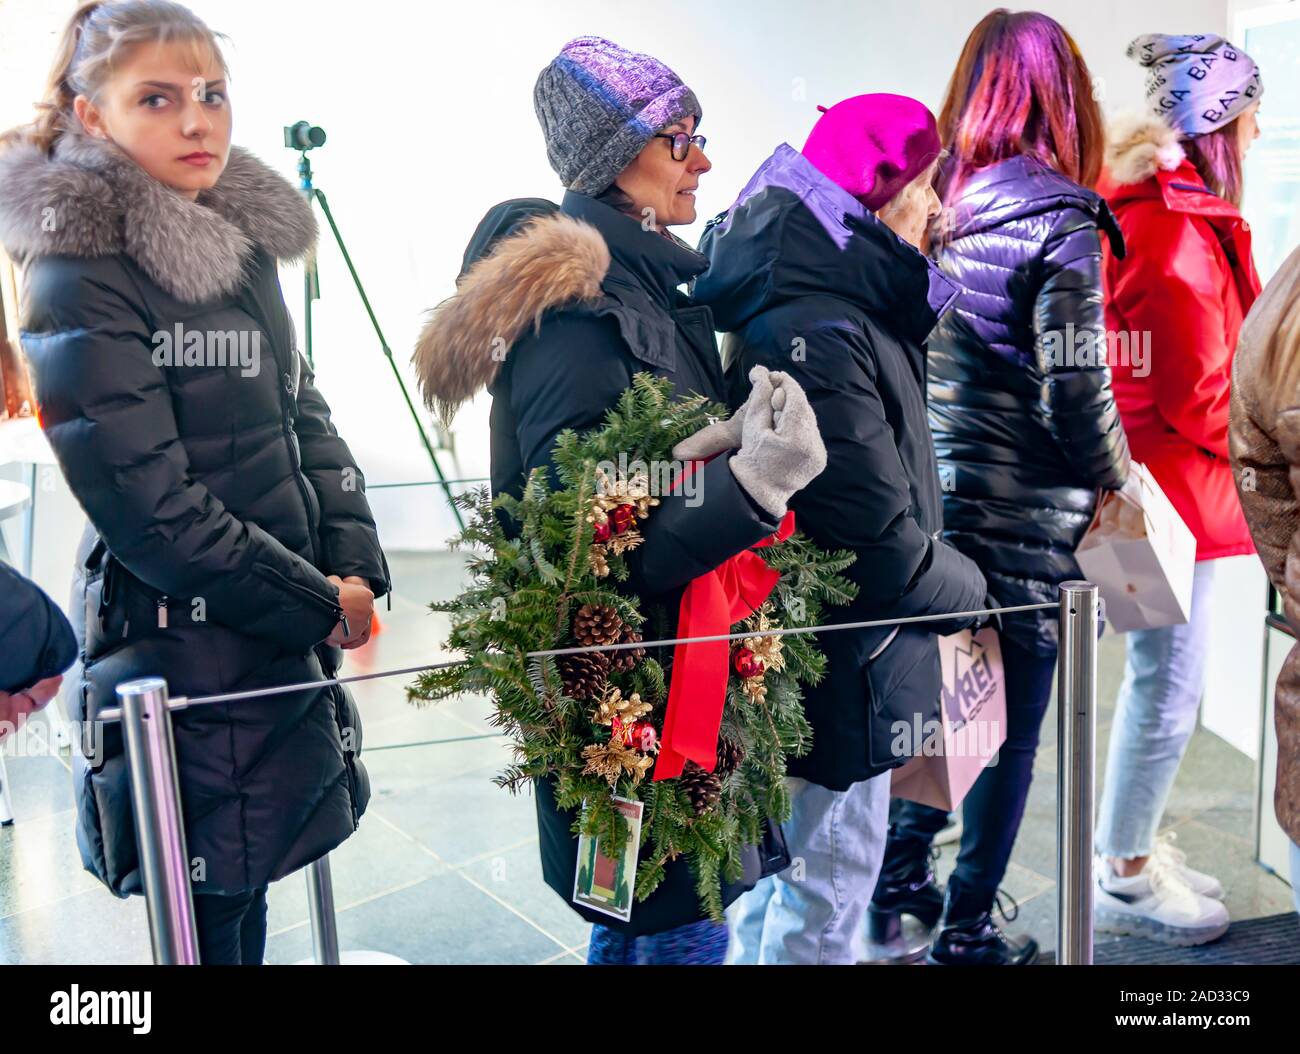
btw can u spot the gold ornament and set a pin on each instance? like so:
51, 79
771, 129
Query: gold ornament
625, 542
766, 648
611, 493
613, 704
614, 759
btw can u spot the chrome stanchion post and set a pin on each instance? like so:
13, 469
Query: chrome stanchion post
6, 803
320, 904
324, 925
1076, 707
160, 832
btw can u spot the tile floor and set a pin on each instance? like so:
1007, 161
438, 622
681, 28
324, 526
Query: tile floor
444, 866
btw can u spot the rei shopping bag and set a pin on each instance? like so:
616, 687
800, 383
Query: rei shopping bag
972, 725
1140, 555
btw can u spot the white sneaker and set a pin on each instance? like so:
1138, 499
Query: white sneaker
1176, 860
1157, 903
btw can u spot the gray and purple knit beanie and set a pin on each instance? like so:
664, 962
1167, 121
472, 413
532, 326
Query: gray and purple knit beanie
599, 105
1197, 83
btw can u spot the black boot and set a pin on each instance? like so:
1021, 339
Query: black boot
969, 937
906, 887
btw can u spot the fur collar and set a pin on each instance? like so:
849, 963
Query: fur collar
552, 261
1139, 145
90, 199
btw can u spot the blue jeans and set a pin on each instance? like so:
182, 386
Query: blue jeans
1164, 678
814, 912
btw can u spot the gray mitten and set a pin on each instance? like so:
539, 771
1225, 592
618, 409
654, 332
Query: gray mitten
781, 450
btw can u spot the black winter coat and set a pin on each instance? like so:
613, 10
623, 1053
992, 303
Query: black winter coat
606, 293
1024, 420
36, 640
805, 280
218, 493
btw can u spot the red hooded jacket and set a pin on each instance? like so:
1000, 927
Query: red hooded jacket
1184, 286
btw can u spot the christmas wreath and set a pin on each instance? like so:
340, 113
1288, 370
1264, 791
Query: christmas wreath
607, 724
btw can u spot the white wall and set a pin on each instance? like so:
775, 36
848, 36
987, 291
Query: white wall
430, 119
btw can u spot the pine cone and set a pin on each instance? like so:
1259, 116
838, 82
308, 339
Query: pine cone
730, 755
627, 659
584, 676
597, 624
702, 787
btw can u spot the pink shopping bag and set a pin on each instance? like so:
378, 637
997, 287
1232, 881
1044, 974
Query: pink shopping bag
949, 753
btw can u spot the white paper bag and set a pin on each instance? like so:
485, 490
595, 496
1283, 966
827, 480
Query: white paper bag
1141, 556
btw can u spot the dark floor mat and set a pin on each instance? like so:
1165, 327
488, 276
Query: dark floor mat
1273, 940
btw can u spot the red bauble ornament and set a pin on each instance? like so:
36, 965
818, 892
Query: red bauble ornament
642, 736
600, 533
623, 517
747, 664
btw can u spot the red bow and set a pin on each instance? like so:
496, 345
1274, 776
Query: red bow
710, 606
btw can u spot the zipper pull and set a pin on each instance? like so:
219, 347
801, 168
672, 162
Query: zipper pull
162, 612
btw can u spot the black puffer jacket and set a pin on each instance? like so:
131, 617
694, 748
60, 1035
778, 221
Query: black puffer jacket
606, 293
1024, 421
805, 280
219, 498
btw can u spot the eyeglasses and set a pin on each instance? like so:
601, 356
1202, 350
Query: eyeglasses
682, 143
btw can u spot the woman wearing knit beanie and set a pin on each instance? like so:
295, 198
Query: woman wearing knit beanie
601, 273
1025, 424
815, 270
1188, 280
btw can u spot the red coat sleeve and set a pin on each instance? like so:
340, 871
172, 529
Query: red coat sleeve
1172, 285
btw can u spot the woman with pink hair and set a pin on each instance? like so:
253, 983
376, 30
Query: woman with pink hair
1025, 425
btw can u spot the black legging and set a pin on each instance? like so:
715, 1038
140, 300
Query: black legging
994, 806
231, 929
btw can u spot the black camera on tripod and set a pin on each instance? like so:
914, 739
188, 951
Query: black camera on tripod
303, 136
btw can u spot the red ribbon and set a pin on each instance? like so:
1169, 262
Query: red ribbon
710, 606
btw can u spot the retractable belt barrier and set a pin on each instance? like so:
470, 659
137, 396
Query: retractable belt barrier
426, 483
145, 713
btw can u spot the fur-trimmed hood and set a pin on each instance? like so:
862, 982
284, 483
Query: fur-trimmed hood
526, 258
547, 262
1140, 145
89, 199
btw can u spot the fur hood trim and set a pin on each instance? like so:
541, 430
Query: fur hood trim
90, 199
1138, 146
552, 261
